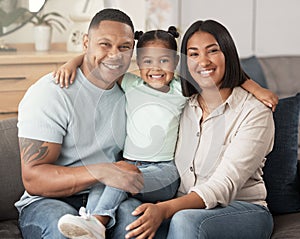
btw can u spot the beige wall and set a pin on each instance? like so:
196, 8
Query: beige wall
67, 7
261, 27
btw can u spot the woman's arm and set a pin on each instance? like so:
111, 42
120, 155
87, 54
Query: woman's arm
152, 215
264, 95
65, 75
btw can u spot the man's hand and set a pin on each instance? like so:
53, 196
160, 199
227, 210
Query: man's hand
152, 215
127, 166
121, 175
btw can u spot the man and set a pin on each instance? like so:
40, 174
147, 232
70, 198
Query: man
71, 139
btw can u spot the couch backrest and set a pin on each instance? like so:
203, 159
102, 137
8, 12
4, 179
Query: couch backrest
11, 187
282, 74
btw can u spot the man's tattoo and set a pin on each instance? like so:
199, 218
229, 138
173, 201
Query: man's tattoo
33, 149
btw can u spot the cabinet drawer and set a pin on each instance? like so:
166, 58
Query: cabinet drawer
20, 77
20, 69
7, 116
9, 101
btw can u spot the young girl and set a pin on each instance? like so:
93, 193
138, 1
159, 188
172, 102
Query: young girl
154, 106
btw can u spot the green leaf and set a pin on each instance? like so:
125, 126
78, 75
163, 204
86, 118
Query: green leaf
53, 19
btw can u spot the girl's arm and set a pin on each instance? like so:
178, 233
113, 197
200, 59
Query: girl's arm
264, 95
65, 74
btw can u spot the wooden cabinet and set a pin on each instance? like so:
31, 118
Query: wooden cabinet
19, 70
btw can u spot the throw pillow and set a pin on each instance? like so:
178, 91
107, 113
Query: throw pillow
280, 172
253, 68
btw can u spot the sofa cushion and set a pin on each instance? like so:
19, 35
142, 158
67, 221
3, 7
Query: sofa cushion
299, 142
10, 230
286, 226
10, 170
280, 171
252, 67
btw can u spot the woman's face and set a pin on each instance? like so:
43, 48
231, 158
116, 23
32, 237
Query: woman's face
206, 61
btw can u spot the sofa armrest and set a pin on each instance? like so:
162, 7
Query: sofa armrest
10, 169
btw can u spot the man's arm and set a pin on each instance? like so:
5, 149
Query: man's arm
41, 177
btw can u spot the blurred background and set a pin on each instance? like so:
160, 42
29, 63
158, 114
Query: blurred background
259, 27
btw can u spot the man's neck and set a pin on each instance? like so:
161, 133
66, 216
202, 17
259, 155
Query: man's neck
98, 81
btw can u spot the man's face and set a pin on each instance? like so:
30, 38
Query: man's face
108, 51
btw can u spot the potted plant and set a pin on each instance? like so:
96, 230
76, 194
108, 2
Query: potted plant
43, 25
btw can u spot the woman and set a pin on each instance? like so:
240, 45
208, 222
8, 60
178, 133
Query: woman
224, 136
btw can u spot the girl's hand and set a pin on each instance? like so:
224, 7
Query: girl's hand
267, 97
65, 75
147, 224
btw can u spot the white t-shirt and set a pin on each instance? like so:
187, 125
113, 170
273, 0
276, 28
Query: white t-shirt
152, 120
87, 121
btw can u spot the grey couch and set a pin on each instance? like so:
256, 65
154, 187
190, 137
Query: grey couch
281, 73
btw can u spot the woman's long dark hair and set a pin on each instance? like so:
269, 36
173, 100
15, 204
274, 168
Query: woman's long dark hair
234, 74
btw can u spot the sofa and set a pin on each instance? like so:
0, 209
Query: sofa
280, 74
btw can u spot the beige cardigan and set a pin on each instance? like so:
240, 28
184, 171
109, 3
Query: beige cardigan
222, 159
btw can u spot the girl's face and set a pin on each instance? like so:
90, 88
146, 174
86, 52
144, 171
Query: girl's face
206, 61
157, 64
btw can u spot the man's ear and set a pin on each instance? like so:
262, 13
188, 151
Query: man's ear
176, 61
138, 62
132, 51
85, 42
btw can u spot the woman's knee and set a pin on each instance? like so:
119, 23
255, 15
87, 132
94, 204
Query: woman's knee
180, 218
182, 225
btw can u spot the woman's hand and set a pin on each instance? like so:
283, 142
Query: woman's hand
152, 215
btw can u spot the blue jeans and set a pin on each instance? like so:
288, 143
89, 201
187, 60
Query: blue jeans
124, 218
237, 220
161, 181
39, 219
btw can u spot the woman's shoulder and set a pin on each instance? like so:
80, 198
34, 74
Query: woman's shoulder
244, 99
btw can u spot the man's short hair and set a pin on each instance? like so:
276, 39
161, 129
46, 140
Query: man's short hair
110, 14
